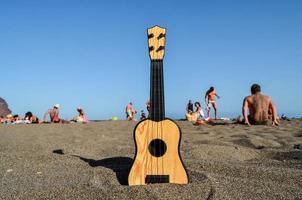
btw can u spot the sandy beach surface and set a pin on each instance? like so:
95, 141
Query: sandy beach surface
92, 161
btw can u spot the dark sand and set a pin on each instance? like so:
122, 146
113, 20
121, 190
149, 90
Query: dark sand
92, 161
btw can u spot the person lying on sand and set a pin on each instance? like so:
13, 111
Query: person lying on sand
53, 114
210, 99
259, 109
82, 118
31, 118
18, 120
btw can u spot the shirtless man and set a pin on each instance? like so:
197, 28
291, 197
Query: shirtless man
53, 114
130, 112
210, 99
259, 109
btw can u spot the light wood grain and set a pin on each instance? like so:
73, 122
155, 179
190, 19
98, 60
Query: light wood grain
168, 164
156, 43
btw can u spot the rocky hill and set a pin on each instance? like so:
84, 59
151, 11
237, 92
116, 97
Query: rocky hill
4, 110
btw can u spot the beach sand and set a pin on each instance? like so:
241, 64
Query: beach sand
76, 161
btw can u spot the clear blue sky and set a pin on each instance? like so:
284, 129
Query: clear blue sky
94, 53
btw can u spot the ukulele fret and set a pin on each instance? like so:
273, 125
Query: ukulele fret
157, 98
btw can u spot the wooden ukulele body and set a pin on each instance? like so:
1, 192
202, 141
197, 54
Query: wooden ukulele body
157, 158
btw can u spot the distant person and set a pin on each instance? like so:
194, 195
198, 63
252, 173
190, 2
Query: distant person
16, 119
53, 114
210, 99
82, 117
2, 119
143, 115
199, 110
9, 119
189, 107
130, 112
192, 116
259, 109
284, 117
148, 107
31, 118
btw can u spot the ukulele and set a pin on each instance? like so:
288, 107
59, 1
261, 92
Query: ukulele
157, 138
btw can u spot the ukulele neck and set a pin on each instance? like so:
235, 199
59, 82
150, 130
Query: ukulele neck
157, 98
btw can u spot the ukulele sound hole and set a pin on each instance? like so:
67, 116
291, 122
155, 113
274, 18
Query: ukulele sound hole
157, 148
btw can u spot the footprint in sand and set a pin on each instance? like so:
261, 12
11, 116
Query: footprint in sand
257, 142
286, 156
219, 152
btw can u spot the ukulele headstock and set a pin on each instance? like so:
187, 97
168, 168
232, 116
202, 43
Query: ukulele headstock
156, 42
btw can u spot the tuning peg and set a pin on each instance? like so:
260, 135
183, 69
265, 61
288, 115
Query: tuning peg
161, 36
151, 48
150, 35
160, 48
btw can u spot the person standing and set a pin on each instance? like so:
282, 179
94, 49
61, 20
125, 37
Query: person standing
130, 112
148, 107
210, 99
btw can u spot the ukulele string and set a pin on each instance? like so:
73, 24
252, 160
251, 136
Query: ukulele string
155, 111
163, 106
159, 103
152, 107
159, 110
157, 117
162, 98
160, 61
146, 159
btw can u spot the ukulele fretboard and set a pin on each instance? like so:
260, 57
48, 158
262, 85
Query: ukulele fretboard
157, 98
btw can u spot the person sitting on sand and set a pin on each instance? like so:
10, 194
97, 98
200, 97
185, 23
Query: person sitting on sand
53, 114
9, 119
31, 118
2, 119
189, 107
130, 112
82, 118
199, 110
259, 109
143, 115
210, 99
193, 116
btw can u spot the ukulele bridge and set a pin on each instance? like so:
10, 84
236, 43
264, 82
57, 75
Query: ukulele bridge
151, 179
